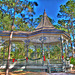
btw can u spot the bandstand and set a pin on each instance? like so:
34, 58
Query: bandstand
44, 34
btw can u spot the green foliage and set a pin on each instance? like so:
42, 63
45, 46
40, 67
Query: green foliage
12, 9
72, 61
5, 21
55, 52
19, 52
2, 52
67, 13
67, 18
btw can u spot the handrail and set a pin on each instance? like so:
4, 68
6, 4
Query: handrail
55, 61
22, 59
49, 66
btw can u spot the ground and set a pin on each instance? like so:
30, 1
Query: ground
24, 73
35, 73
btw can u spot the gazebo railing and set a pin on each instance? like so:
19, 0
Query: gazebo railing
17, 62
30, 62
34, 62
55, 61
22, 62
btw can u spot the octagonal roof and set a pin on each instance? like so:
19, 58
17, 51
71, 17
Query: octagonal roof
44, 27
45, 23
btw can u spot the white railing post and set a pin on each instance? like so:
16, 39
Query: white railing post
49, 66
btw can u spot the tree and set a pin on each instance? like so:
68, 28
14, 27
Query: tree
63, 25
13, 8
67, 15
5, 21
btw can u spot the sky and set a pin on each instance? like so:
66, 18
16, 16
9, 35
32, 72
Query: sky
51, 7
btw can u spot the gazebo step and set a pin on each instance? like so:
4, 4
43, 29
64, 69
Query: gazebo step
26, 68
23, 67
36, 67
57, 69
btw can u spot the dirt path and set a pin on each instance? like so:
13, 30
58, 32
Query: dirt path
35, 73
24, 73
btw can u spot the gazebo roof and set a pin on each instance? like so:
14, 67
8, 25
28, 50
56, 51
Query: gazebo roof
45, 23
44, 27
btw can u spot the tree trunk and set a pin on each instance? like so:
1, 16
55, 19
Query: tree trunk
9, 51
10, 38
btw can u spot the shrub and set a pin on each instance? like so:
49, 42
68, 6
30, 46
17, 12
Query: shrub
72, 61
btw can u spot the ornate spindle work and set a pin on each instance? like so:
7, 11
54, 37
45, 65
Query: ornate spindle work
42, 39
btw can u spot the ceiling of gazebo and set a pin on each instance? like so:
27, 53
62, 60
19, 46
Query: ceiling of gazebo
49, 38
44, 28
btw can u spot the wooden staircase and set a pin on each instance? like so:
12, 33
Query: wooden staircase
56, 68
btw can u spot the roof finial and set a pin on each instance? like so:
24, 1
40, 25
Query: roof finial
44, 11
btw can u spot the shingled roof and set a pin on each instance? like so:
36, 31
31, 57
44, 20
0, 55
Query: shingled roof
45, 22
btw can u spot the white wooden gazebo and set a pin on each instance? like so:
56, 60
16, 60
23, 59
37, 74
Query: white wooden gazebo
45, 33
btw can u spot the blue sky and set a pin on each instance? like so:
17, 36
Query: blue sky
52, 7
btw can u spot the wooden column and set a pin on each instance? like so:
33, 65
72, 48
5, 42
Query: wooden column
27, 51
4, 52
61, 47
35, 52
15, 50
42, 39
24, 48
67, 48
27, 44
42, 54
63, 62
48, 51
73, 49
